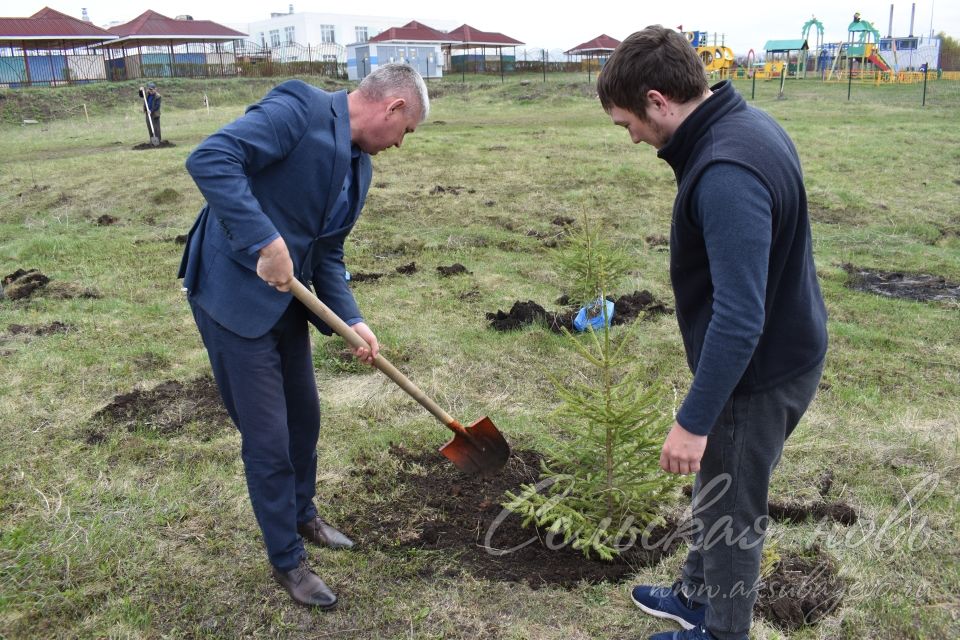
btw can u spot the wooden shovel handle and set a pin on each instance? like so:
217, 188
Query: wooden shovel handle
342, 329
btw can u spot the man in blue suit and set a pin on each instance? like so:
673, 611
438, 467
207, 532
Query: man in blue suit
284, 185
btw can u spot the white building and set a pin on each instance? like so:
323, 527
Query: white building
323, 35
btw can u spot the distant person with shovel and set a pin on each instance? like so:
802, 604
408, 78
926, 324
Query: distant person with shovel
749, 308
284, 185
151, 109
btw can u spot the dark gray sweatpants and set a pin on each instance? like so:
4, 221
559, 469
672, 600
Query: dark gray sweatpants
730, 501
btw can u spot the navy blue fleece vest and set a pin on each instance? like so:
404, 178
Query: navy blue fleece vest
725, 129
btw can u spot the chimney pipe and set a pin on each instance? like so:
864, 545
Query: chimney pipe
291, 8
84, 15
890, 28
913, 13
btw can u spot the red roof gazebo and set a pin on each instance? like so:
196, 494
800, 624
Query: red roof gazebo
467, 38
157, 46
600, 48
67, 42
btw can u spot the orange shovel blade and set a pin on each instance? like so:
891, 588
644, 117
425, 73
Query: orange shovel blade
479, 448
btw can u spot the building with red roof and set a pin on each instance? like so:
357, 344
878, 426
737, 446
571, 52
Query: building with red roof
50, 48
414, 43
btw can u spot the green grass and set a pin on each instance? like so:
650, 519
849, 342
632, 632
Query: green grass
149, 535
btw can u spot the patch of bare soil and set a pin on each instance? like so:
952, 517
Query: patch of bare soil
106, 220
442, 509
455, 269
144, 146
803, 589
454, 191
362, 276
626, 309
165, 409
657, 240
39, 330
921, 287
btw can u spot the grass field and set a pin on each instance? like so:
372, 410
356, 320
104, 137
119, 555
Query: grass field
110, 530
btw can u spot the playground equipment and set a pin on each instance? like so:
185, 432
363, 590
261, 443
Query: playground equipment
818, 43
863, 44
715, 57
785, 55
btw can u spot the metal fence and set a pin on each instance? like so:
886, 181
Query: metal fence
51, 68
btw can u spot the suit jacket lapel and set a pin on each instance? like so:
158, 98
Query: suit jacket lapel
341, 163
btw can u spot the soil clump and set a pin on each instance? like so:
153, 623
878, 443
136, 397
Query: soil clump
803, 589
23, 283
455, 269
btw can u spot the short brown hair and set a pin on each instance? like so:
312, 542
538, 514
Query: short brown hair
654, 58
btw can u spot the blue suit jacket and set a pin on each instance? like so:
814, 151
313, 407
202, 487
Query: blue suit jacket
277, 169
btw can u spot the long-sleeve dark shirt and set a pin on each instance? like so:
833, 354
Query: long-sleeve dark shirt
749, 306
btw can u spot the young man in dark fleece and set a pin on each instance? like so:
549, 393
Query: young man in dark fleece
749, 309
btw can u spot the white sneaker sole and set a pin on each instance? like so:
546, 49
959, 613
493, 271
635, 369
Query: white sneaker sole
662, 614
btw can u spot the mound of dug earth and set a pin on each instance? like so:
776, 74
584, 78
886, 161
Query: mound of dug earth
627, 308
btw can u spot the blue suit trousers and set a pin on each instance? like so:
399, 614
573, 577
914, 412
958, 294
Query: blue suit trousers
270, 392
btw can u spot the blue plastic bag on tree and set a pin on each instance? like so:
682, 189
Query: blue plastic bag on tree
592, 315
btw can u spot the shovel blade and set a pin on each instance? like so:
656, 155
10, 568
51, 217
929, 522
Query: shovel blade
155, 141
480, 449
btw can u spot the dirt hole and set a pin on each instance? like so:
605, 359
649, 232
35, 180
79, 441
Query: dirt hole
106, 220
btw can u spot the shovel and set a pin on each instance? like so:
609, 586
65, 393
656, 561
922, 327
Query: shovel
154, 140
479, 448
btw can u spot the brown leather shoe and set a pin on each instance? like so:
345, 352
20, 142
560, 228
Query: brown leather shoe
305, 587
319, 532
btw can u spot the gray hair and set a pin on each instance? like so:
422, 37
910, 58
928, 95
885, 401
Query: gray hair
397, 78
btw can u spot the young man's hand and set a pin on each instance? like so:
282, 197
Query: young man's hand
682, 451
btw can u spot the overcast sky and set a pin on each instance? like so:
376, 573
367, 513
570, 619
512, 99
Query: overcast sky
543, 24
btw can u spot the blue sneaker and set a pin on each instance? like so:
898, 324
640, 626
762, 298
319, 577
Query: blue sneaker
669, 603
697, 633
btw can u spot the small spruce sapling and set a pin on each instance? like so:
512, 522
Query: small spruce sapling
602, 486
